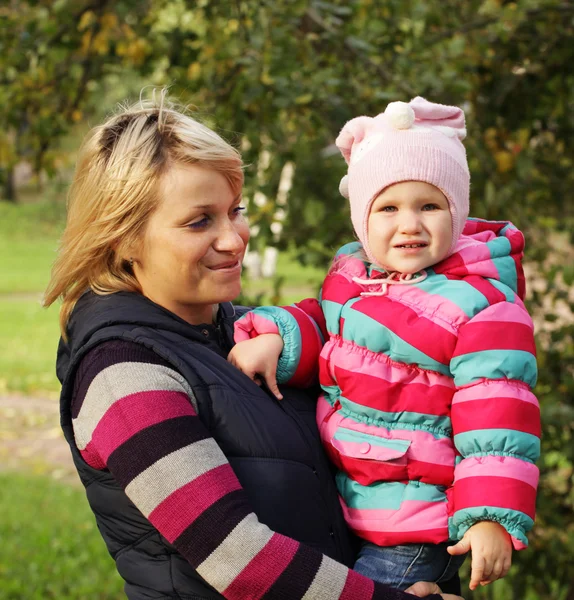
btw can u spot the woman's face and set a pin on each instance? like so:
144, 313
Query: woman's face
194, 243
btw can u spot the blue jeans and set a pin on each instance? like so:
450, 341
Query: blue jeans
401, 566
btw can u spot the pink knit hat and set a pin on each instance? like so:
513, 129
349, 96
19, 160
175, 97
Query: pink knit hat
418, 141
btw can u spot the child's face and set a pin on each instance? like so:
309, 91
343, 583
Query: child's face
410, 227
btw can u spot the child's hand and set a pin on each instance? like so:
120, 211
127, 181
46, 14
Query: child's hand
259, 357
491, 552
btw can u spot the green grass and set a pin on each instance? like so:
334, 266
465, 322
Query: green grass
58, 554
28, 241
28, 342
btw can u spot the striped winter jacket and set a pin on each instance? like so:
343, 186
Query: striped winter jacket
427, 408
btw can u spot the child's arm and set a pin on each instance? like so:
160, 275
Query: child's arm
258, 357
495, 422
491, 549
292, 339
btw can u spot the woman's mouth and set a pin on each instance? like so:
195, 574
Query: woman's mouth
227, 267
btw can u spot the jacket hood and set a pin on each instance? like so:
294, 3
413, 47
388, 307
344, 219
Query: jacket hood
94, 312
492, 249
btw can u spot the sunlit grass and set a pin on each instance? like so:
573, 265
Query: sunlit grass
51, 547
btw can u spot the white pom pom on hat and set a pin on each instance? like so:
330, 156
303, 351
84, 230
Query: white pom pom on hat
344, 187
400, 114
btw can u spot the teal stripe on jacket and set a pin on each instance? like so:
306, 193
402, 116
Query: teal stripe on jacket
504, 442
332, 312
291, 334
514, 521
368, 333
459, 292
509, 294
440, 426
387, 494
494, 364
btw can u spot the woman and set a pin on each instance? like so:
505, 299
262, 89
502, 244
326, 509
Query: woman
199, 480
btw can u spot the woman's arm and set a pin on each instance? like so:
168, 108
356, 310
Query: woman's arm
135, 416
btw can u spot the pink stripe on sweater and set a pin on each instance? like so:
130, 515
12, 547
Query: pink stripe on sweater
424, 446
339, 288
431, 336
499, 492
176, 512
351, 357
480, 253
143, 409
379, 394
394, 538
413, 515
506, 312
498, 466
311, 344
357, 587
252, 325
494, 335
262, 572
432, 304
496, 413
488, 388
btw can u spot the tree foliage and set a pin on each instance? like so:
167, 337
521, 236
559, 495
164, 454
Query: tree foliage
281, 77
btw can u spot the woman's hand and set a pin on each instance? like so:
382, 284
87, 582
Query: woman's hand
425, 588
491, 549
258, 357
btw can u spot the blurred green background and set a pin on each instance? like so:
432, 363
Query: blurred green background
278, 78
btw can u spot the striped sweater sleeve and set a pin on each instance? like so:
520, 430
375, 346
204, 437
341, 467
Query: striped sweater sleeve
496, 422
302, 327
135, 416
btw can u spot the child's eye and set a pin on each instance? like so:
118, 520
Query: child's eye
199, 224
388, 209
431, 207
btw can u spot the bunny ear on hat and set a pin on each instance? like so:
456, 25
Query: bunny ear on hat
353, 133
449, 119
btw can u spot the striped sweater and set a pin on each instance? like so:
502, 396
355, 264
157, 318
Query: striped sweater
135, 416
427, 408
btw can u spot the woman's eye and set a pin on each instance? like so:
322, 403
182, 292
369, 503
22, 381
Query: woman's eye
238, 210
199, 224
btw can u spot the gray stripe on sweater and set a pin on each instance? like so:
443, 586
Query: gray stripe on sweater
328, 582
116, 382
240, 547
165, 476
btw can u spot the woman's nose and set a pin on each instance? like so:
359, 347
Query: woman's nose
229, 239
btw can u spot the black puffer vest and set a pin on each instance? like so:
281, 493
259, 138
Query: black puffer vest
272, 446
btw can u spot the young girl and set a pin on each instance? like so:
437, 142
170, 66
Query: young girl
425, 354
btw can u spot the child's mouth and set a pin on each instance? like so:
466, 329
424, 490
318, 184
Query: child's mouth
408, 246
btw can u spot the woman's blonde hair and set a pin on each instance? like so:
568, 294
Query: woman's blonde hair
116, 188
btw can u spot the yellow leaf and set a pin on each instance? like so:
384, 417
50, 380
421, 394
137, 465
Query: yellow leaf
504, 161
77, 116
266, 79
194, 70
304, 99
128, 31
87, 19
232, 25
100, 43
109, 21
86, 39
